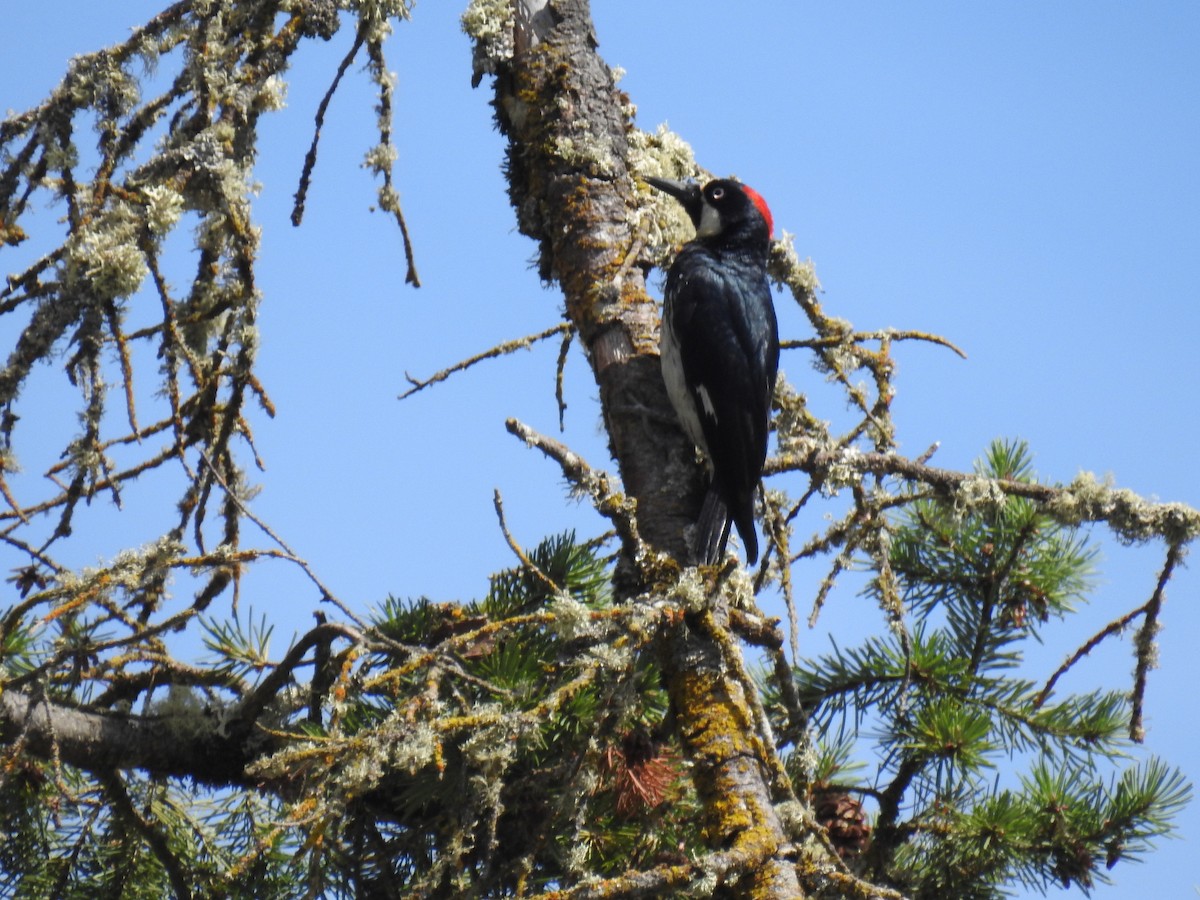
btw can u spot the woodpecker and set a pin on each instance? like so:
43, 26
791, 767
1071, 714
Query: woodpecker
720, 350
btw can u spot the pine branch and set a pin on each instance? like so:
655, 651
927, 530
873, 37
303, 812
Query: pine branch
1130, 517
189, 745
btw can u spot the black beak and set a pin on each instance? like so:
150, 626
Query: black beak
686, 192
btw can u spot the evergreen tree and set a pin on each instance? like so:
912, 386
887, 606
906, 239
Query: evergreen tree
950, 718
589, 727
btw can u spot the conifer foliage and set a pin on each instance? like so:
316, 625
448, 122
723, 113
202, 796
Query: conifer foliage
984, 778
605, 721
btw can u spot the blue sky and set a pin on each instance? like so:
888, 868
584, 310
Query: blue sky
1023, 178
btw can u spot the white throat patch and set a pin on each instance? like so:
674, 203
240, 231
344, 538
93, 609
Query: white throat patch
710, 221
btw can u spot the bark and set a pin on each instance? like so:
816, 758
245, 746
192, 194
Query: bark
573, 192
570, 183
192, 745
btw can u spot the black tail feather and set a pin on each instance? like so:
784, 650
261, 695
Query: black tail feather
743, 519
712, 528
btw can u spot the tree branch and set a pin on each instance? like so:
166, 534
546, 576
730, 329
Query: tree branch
572, 182
186, 745
1085, 499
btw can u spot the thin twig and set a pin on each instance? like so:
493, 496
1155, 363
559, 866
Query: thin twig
114, 324
389, 199
820, 343
1084, 500
11, 500
1174, 554
559, 368
310, 158
1114, 627
326, 594
618, 509
516, 548
503, 349
1147, 649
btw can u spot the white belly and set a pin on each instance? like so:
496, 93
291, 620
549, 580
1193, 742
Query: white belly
677, 389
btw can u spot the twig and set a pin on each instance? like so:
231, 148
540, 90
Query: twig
560, 366
326, 594
499, 350
820, 343
516, 548
1114, 627
254, 703
11, 500
389, 200
615, 507
310, 158
1147, 650
114, 324
928, 454
1084, 500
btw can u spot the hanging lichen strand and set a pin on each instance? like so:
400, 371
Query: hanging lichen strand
590, 727
568, 171
126, 171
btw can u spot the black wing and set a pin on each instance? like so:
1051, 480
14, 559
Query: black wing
724, 323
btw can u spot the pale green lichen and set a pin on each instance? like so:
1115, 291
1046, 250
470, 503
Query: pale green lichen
798, 276
836, 360
490, 23
415, 747
164, 206
380, 157
662, 153
739, 588
796, 428
489, 751
613, 658
706, 884
659, 217
584, 152
375, 15
976, 493
58, 155
271, 94
577, 856
1147, 645
130, 567
103, 259
362, 773
845, 472
98, 80
1132, 518
571, 619
398, 745
690, 590
793, 816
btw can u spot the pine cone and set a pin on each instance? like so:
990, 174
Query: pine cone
845, 822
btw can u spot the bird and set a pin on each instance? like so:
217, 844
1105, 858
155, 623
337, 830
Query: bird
719, 348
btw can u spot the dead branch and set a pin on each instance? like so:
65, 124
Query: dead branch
499, 350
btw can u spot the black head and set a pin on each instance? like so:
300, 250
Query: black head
722, 207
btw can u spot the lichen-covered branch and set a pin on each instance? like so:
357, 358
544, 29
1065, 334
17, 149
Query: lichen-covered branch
585, 729
573, 164
183, 744
186, 151
1086, 499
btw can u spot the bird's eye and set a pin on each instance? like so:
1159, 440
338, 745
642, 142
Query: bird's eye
718, 193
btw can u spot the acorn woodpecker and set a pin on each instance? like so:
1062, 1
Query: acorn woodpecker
720, 350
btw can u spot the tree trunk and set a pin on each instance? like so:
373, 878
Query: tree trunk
570, 183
